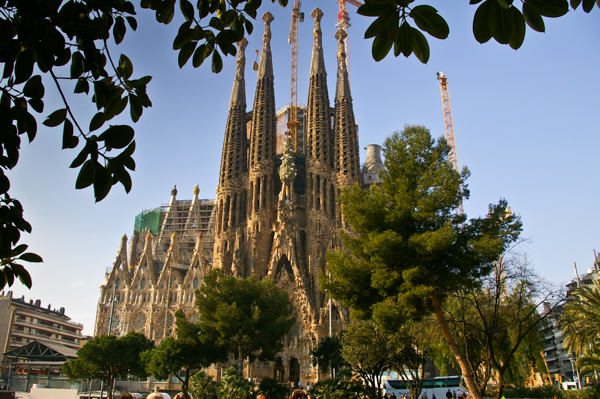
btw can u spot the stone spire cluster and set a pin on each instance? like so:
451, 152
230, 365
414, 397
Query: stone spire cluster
277, 215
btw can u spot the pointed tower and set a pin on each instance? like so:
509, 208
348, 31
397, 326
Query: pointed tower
262, 197
320, 176
232, 192
347, 163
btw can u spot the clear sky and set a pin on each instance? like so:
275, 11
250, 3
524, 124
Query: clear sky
526, 122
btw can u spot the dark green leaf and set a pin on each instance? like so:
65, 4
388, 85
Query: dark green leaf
80, 158
228, 17
549, 8
132, 22
135, 107
217, 62
200, 54
185, 53
382, 44
119, 29
125, 67
23, 274
404, 42
375, 10
97, 121
37, 104
519, 28
31, 257
501, 23
216, 23
31, 126
24, 66
69, 140
82, 86
375, 27
187, 9
102, 182
86, 175
249, 26
117, 136
56, 118
34, 87
18, 250
533, 19
428, 20
481, 27
76, 65
588, 5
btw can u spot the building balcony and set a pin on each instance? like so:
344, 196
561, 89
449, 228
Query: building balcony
37, 325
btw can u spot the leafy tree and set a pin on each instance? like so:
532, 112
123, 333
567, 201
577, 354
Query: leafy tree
186, 351
106, 356
580, 323
580, 320
327, 355
409, 349
410, 246
497, 325
365, 349
249, 317
203, 386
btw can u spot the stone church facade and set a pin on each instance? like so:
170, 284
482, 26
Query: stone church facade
275, 216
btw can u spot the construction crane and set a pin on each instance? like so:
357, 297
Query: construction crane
343, 22
448, 122
293, 122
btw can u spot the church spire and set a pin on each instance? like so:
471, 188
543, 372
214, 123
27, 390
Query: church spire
263, 134
346, 135
319, 139
233, 160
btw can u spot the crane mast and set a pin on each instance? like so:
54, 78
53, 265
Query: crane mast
343, 22
448, 122
293, 123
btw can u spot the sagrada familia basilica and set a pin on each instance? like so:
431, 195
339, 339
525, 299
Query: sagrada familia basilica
276, 215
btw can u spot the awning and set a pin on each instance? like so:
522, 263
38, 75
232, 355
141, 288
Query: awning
43, 351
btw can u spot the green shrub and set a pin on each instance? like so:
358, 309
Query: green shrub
545, 391
273, 390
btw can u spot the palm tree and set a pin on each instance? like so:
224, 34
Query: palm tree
580, 321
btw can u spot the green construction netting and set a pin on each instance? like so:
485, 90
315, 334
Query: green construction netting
148, 219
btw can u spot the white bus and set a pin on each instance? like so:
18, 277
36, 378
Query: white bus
438, 386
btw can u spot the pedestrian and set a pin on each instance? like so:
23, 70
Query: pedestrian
393, 395
449, 394
299, 385
424, 395
433, 396
464, 395
453, 394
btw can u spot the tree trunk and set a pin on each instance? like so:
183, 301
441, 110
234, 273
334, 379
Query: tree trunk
109, 390
465, 367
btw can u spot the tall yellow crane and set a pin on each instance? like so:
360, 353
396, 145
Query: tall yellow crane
448, 122
293, 122
343, 22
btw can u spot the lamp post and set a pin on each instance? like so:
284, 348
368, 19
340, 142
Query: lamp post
575, 373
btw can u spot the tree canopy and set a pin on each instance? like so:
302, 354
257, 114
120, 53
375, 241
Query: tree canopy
107, 356
186, 351
411, 246
249, 317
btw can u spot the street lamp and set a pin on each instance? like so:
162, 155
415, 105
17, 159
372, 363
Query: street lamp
575, 373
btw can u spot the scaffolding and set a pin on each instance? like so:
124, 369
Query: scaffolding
148, 219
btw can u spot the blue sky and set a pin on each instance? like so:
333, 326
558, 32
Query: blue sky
526, 122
